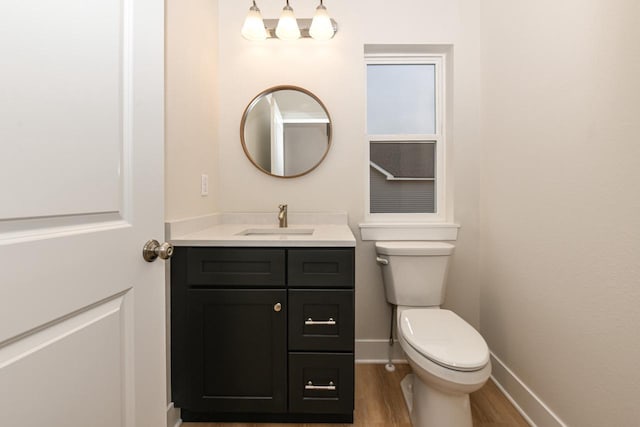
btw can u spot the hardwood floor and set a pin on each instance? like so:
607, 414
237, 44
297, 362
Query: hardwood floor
379, 403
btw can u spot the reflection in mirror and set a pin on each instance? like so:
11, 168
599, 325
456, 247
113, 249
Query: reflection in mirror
286, 131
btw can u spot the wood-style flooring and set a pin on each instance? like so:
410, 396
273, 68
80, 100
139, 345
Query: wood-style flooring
379, 403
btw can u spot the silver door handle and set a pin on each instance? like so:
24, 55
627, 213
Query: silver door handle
310, 386
310, 321
152, 250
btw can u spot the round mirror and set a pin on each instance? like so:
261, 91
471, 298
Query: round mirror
286, 131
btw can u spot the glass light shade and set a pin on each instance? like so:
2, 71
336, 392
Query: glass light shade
321, 26
253, 28
287, 28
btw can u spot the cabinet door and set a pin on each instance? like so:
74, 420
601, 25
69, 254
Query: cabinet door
236, 350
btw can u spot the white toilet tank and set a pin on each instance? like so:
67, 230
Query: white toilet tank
414, 273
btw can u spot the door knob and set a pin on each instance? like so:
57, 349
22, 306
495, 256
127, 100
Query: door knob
152, 250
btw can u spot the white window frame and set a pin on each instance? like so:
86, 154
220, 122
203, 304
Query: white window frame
439, 138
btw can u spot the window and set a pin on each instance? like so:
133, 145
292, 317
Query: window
405, 126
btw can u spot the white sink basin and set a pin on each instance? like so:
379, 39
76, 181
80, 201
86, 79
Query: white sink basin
276, 232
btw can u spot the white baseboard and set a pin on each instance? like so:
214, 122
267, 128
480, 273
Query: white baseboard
173, 416
530, 406
377, 351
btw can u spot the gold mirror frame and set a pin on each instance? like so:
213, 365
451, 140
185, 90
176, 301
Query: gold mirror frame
259, 97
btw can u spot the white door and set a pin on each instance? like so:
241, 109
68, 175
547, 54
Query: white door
82, 325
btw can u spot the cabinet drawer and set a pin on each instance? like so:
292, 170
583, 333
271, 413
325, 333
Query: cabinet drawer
321, 268
321, 320
321, 383
236, 267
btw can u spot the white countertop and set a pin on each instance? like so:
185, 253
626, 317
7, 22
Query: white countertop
329, 230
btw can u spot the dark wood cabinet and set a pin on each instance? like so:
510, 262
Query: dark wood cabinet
263, 334
236, 354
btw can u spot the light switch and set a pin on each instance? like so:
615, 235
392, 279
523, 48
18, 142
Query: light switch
204, 185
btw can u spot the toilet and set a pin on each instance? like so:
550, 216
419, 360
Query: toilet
448, 357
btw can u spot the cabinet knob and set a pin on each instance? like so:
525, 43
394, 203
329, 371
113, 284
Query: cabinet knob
277, 307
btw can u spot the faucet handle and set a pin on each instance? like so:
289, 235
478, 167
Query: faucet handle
282, 216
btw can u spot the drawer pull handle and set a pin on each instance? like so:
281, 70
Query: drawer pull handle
312, 322
310, 386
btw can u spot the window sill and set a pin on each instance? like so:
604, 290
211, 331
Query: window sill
408, 231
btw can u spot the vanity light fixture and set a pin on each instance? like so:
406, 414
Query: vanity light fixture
322, 27
287, 28
253, 28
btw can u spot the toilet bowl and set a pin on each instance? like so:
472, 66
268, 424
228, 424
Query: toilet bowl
448, 357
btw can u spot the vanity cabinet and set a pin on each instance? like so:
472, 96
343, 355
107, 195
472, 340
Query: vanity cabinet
263, 334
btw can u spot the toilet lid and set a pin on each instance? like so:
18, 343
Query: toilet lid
444, 338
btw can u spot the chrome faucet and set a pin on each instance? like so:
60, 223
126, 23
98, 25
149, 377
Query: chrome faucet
282, 216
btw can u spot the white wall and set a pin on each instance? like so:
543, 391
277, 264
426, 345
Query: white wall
191, 95
191, 92
334, 71
560, 205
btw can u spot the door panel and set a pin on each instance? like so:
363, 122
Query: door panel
58, 366
82, 338
63, 108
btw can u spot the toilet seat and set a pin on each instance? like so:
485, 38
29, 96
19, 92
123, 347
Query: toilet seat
444, 338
